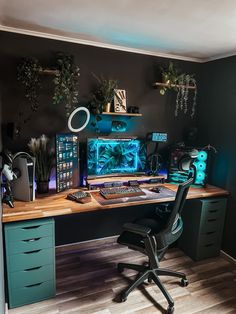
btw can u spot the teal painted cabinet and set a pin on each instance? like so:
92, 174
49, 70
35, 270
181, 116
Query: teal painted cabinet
203, 227
30, 261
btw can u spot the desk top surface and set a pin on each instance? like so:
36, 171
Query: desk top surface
54, 204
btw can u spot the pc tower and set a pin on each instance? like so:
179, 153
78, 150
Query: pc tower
23, 187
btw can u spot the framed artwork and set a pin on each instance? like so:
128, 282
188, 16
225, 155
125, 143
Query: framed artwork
120, 100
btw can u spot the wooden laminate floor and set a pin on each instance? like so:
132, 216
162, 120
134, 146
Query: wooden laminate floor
87, 282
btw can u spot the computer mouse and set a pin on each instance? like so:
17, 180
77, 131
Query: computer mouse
156, 190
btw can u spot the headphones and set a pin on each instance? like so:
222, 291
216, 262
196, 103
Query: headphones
186, 161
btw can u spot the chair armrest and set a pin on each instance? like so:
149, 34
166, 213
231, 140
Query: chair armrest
138, 229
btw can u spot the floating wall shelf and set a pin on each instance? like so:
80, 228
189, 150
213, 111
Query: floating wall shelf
122, 114
48, 71
173, 85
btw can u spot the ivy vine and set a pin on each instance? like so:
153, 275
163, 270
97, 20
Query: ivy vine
66, 83
28, 74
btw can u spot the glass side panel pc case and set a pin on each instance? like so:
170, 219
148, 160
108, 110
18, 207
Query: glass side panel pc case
114, 157
67, 161
201, 164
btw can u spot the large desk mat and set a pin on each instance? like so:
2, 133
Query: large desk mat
149, 195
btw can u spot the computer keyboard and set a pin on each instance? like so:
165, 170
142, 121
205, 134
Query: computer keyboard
121, 191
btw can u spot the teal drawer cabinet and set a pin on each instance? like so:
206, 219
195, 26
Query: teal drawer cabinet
203, 227
30, 261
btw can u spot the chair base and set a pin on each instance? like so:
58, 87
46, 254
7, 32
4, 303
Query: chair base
146, 273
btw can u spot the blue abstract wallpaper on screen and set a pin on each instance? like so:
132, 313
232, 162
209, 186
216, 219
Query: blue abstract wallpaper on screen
116, 156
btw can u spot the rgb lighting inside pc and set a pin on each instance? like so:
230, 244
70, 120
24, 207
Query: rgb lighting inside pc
115, 156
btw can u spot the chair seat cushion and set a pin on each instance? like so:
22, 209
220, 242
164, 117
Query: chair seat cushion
135, 240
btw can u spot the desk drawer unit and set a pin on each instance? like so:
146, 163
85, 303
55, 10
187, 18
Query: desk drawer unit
203, 227
30, 261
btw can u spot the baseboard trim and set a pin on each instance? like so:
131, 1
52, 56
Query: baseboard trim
228, 257
70, 246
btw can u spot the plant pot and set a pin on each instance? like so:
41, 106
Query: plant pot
42, 186
107, 107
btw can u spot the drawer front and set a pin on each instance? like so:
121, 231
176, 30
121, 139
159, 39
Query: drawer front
209, 237
214, 206
211, 225
31, 276
30, 259
29, 232
29, 245
32, 293
207, 250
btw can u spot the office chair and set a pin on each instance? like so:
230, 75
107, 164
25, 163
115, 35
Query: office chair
152, 236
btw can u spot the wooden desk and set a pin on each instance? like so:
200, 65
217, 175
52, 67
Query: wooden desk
53, 205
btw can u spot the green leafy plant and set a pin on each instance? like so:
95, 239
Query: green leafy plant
44, 156
169, 76
28, 74
66, 82
180, 82
103, 95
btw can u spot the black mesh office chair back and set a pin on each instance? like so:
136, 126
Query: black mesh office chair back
152, 236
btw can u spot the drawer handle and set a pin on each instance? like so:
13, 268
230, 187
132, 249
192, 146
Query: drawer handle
214, 202
31, 252
34, 285
213, 210
207, 245
34, 268
210, 232
211, 220
31, 240
32, 227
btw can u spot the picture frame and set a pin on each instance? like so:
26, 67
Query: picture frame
120, 101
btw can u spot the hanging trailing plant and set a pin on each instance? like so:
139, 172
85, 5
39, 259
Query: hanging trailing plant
181, 83
66, 82
28, 74
182, 98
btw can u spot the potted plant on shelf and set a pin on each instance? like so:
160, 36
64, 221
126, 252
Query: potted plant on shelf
181, 83
169, 77
44, 161
103, 95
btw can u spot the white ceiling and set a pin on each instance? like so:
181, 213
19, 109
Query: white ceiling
197, 30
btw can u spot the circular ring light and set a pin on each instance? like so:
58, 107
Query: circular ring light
73, 113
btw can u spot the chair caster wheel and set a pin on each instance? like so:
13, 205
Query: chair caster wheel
120, 269
184, 282
123, 297
149, 280
170, 310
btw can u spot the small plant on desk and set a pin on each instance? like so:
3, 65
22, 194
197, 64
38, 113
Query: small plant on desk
44, 156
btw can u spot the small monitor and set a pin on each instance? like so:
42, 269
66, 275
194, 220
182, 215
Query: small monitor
113, 157
67, 157
159, 137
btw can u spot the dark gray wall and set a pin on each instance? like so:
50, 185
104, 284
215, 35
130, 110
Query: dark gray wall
217, 116
134, 72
